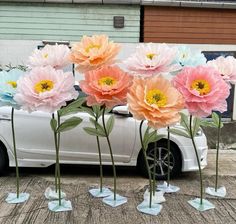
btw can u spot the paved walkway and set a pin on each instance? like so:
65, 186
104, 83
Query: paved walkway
76, 181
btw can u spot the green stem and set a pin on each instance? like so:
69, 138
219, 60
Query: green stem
109, 145
198, 160
57, 164
217, 153
168, 148
154, 168
146, 162
100, 158
15, 154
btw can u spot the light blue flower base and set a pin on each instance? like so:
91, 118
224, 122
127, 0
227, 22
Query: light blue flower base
95, 192
157, 199
55, 207
52, 194
120, 200
167, 189
144, 208
220, 192
12, 198
206, 205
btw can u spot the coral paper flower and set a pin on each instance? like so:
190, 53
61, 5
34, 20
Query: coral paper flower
155, 100
45, 89
93, 52
8, 86
106, 86
204, 90
151, 59
56, 56
187, 56
226, 66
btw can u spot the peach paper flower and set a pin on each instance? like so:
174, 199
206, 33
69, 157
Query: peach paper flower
45, 89
56, 56
152, 59
93, 52
106, 86
203, 88
155, 100
226, 67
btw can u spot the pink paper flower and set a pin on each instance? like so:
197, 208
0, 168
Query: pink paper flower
93, 52
151, 59
226, 67
45, 89
56, 56
155, 100
203, 88
106, 86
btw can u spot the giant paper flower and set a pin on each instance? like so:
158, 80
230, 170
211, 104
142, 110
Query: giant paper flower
8, 85
226, 66
106, 86
204, 90
93, 52
56, 56
155, 100
45, 89
151, 59
187, 56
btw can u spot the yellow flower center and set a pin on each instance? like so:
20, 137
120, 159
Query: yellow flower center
107, 81
92, 46
202, 86
43, 86
150, 56
45, 55
157, 97
12, 83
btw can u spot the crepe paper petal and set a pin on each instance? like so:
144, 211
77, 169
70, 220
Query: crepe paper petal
158, 198
120, 200
13, 199
167, 189
206, 205
52, 194
220, 192
55, 207
144, 208
96, 192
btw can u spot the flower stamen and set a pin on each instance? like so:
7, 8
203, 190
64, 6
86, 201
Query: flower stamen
43, 86
92, 46
12, 83
150, 56
157, 97
107, 81
202, 86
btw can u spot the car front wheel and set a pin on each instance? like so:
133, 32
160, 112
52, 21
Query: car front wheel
161, 160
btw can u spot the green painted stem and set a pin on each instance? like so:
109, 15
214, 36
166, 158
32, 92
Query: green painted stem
100, 158
217, 153
15, 154
109, 145
57, 164
146, 162
154, 169
198, 160
168, 148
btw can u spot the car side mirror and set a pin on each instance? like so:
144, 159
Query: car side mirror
121, 110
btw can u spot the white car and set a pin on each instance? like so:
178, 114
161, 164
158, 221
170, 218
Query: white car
35, 144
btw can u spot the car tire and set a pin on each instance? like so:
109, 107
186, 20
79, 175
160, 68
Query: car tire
162, 161
4, 161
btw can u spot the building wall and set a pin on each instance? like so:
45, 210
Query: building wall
36, 21
189, 25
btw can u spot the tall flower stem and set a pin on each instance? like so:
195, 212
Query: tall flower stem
15, 154
57, 164
154, 168
146, 162
168, 148
198, 160
217, 152
109, 145
100, 158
